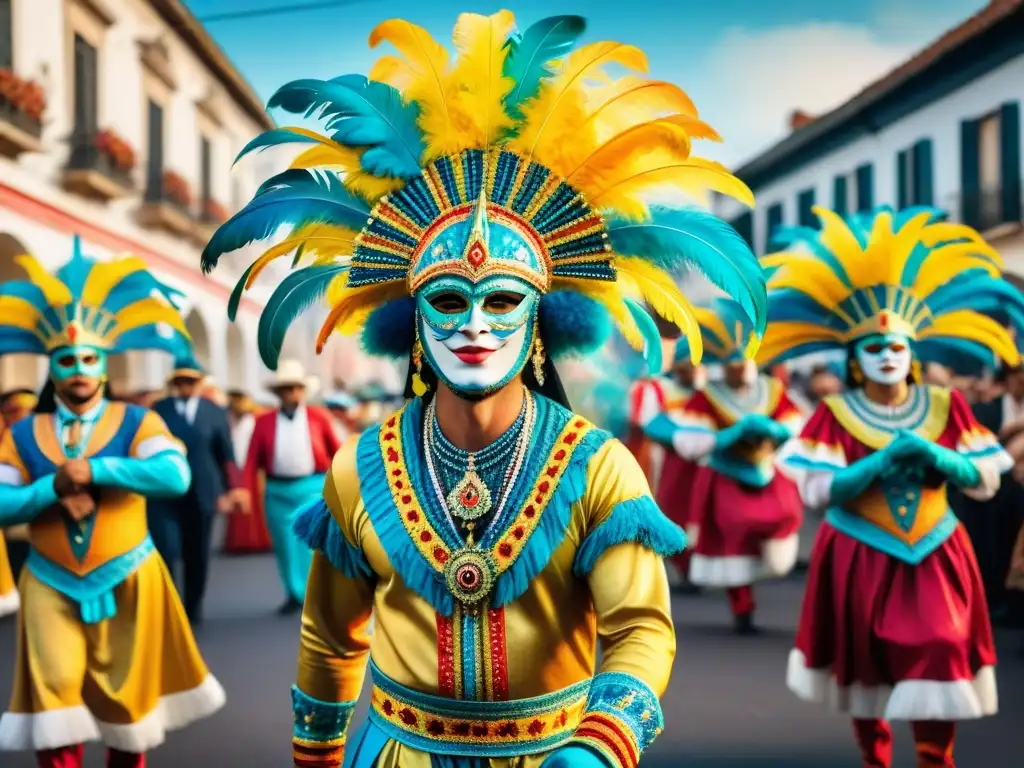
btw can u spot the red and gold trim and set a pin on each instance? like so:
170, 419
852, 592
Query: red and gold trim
489, 648
317, 755
495, 657
447, 667
610, 736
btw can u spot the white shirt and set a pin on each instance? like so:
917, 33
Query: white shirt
293, 448
1012, 410
241, 436
187, 409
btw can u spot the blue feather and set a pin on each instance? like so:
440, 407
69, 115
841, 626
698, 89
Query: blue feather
652, 338
297, 200
785, 238
136, 287
275, 138
572, 324
963, 356
237, 291
149, 338
900, 218
18, 341
675, 239
390, 330
802, 350
76, 271
362, 113
23, 289
296, 293
529, 56
791, 305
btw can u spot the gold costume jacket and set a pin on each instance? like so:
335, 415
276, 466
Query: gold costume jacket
574, 557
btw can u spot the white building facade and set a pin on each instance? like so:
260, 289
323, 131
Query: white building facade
133, 152
942, 129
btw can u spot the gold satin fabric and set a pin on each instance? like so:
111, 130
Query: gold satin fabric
552, 630
119, 668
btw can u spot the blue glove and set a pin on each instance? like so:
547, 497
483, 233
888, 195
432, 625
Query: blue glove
728, 437
757, 426
661, 429
575, 756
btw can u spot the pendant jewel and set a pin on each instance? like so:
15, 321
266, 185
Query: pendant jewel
470, 576
470, 499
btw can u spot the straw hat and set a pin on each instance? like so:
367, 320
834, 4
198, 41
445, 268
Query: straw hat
291, 373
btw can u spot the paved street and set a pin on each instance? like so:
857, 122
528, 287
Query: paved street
727, 706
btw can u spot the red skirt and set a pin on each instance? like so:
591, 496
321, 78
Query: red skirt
743, 533
248, 534
675, 487
882, 638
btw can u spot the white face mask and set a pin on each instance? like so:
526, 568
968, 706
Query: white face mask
884, 359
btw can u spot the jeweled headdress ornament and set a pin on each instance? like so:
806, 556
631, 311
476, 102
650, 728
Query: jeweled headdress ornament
521, 159
113, 306
907, 272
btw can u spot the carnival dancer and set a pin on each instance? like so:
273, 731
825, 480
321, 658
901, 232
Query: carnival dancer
894, 624
247, 531
15, 405
744, 516
292, 446
104, 648
485, 527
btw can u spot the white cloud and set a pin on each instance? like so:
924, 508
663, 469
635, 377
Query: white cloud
756, 78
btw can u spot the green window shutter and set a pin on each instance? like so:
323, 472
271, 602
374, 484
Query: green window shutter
1009, 120
744, 226
970, 173
923, 175
839, 195
804, 203
6, 36
773, 221
865, 187
902, 180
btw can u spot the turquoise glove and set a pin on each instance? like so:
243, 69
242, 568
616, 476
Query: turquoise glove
728, 437
957, 469
575, 756
762, 427
661, 429
852, 481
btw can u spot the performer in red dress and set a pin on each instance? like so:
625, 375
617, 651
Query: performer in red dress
744, 516
894, 623
247, 532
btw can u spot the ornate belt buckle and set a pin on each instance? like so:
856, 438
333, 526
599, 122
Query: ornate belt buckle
470, 575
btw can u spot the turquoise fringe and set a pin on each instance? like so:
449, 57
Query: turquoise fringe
315, 526
639, 520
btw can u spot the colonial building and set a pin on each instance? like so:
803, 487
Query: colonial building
941, 129
119, 122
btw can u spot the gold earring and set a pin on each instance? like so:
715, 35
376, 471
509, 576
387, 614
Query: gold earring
856, 373
538, 355
419, 387
916, 372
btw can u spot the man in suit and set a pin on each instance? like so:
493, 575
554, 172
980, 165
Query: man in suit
293, 447
182, 528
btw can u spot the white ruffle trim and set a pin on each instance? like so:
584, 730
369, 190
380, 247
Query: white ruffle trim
10, 602
908, 700
778, 556
76, 725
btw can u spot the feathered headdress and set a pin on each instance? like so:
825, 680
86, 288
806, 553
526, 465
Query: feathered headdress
523, 156
115, 306
907, 272
725, 333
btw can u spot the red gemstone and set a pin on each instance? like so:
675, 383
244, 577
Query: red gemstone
505, 550
508, 729
407, 715
552, 471
391, 421
479, 730
389, 436
469, 578
440, 555
396, 473
539, 498
392, 456
530, 511
406, 499
536, 728
387, 707
884, 320
560, 455
461, 729
399, 484
412, 516
518, 532
543, 487
570, 438
435, 728
579, 424
477, 254
425, 536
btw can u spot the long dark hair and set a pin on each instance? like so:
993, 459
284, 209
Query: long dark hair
551, 388
48, 397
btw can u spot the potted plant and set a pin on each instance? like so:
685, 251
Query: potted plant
177, 190
22, 102
117, 156
214, 212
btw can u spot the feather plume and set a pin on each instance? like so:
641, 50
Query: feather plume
300, 200
327, 240
352, 306
652, 339
969, 325
529, 58
480, 41
668, 134
677, 239
56, 292
656, 287
296, 293
608, 295
106, 276
16, 312
22, 289
148, 312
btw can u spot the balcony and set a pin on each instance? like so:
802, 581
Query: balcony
22, 103
994, 212
167, 205
100, 166
211, 216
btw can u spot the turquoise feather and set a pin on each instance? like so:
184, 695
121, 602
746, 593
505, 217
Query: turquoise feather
676, 239
23, 289
76, 271
18, 341
236, 294
275, 138
795, 306
362, 113
299, 199
296, 293
530, 55
652, 338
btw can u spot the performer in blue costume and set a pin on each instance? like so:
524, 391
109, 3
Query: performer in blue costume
486, 223
99, 610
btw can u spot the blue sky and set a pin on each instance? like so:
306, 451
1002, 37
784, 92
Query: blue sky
745, 63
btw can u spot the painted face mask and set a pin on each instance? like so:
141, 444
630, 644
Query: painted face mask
884, 359
85, 361
477, 337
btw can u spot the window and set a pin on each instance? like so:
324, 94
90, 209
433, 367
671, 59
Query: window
6, 35
914, 175
772, 223
155, 161
86, 94
990, 168
744, 226
865, 176
989, 134
804, 204
205, 171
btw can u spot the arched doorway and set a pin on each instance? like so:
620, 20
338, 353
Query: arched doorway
196, 327
237, 359
17, 371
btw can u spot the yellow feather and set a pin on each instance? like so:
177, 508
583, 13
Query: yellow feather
837, 238
628, 187
147, 312
105, 275
812, 277
354, 305
666, 133
906, 240
16, 312
608, 295
946, 235
56, 293
328, 241
967, 324
662, 294
942, 267
559, 113
480, 41
784, 335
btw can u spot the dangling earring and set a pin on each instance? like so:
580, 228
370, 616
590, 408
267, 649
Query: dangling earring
856, 373
916, 372
538, 355
419, 387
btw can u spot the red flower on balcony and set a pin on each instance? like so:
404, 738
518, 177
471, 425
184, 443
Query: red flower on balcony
177, 189
214, 211
109, 143
27, 96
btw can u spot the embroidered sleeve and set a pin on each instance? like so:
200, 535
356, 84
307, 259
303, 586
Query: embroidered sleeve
814, 457
975, 442
334, 647
696, 426
618, 508
621, 719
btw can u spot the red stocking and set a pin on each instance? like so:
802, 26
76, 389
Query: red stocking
61, 757
933, 740
874, 737
741, 600
118, 759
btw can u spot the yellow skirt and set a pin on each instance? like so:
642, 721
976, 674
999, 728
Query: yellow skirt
125, 681
397, 755
8, 591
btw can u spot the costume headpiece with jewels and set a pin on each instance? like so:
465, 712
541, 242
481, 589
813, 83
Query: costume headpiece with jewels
521, 158
907, 272
113, 306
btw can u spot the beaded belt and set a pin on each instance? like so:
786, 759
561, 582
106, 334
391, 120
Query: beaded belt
467, 728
